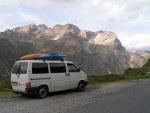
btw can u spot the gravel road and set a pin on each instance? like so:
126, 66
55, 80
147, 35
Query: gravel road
135, 99
61, 102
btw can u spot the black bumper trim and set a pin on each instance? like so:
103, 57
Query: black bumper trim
30, 91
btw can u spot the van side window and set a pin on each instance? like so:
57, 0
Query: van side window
57, 68
72, 68
39, 68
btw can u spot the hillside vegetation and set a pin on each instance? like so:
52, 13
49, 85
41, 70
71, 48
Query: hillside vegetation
137, 73
130, 74
11, 50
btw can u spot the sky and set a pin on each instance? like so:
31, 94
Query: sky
128, 19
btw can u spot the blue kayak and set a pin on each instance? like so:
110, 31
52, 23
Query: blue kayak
53, 56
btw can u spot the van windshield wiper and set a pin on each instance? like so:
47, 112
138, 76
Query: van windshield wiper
18, 71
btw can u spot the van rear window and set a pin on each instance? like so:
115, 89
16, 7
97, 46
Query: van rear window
39, 68
20, 68
57, 68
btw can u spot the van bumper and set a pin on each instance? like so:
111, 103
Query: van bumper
32, 90
29, 91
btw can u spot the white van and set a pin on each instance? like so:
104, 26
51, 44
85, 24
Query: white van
41, 77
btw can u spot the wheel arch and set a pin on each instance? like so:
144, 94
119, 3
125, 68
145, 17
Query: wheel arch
44, 85
82, 81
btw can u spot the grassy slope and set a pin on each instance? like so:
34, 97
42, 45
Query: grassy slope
130, 74
104, 79
5, 88
138, 73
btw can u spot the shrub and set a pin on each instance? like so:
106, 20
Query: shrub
4, 85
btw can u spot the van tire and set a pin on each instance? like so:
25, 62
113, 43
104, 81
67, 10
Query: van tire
42, 92
81, 86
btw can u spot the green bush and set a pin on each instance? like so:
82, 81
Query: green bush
104, 79
4, 85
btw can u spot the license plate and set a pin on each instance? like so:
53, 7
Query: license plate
14, 83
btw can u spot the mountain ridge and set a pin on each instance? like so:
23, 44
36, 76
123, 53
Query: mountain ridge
98, 52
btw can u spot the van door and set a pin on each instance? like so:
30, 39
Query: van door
59, 77
75, 75
40, 74
19, 76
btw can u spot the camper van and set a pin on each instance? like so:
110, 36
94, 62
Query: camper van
39, 77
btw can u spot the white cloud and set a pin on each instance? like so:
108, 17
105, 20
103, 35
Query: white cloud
96, 2
124, 17
29, 18
10, 3
136, 4
33, 3
15, 19
137, 42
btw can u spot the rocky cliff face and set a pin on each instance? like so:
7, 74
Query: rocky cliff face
97, 53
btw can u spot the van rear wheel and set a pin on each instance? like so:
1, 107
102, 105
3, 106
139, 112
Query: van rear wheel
81, 86
42, 92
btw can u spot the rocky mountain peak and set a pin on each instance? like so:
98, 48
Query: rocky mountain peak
66, 26
68, 29
42, 27
32, 25
25, 29
87, 38
107, 38
95, 52
71, 26
83, 33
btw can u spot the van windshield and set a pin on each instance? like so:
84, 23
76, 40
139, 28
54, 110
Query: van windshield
20, 68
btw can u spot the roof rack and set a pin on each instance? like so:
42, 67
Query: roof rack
52, 60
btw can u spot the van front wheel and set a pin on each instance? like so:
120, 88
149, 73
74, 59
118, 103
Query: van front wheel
81, 86
42, 92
